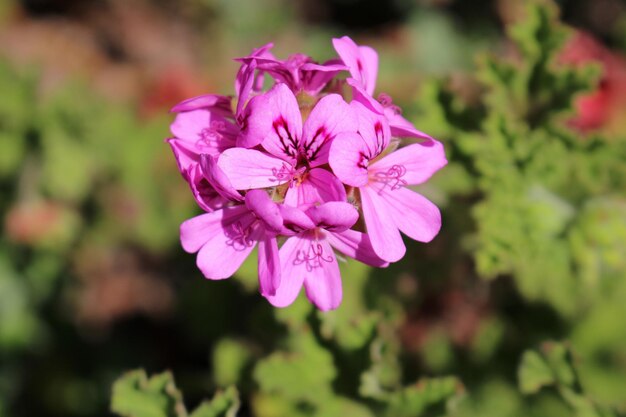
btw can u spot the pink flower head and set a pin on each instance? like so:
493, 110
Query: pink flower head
389, 207
301, 180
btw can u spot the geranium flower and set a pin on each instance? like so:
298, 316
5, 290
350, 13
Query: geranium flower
389, 207
307, 258
225, 238
278, 170
362, 63
299, 72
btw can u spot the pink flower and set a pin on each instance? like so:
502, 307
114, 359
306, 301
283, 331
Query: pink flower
203, 125
291, 153
299, 72
307, 258
224, 239
362, 63
276, 171
389, 207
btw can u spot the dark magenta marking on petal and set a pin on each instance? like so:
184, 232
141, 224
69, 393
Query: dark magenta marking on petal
287, 140
380, 140
308, 154
363, 160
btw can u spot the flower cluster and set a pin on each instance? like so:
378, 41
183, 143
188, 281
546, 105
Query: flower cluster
302, 166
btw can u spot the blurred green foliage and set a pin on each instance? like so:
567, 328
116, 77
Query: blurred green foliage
554, 366
136, 395
533, 248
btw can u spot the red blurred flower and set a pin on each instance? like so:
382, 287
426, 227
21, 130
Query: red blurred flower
601, 108
169, 87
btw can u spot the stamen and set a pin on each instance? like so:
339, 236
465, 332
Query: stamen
391, 178
239, 237
387, 103
312, 258
285, 173
212, 136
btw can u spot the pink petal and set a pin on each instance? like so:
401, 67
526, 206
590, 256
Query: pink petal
197, 231
370, 68
217, 260
292, 275
363, 97
399, 129
274, 120
260, 52
188, 125
413, 164
286, 72
322, 281
294, 220
412, 213
244, 84
248, 168
219, 105
269, 266
362, 61
332, 66
374, 129
243, 75
316, 76
334, 216
224, 252
205, 131
318, 186
348, 159
356, 245
204, 193
330, 116
259, 203
186, 155
381, 227
218, 179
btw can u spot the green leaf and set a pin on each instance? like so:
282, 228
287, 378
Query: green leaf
554, 366
534, 373
302, 374
136, 395
230, 357
224, 404
350, 326
427, 394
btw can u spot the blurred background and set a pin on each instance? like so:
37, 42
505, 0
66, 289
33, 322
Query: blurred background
93, 281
